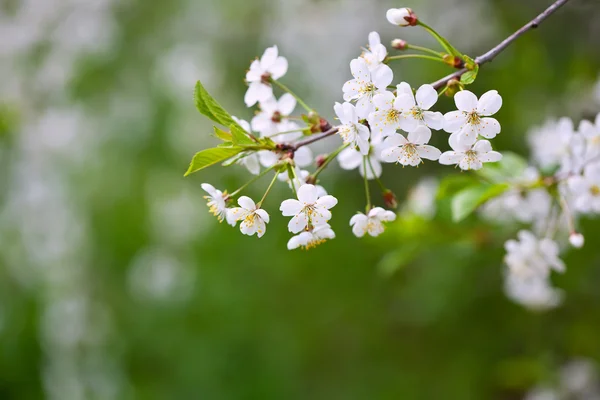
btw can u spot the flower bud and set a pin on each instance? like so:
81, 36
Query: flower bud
453, 61
453, 86
401, 17
576, 239
389, 198
399, 44
320, 160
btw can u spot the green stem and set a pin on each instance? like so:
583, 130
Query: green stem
293, 177
383, 188
257, 177
298, 99
367, 191
443, 91
424, 50
445, 44
329, 158
403, 56
285, 132
267, 192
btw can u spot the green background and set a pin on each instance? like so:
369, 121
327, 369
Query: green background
116, 283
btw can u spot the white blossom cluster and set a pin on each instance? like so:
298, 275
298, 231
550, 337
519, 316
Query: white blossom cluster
577, 380
378, 123
561, 185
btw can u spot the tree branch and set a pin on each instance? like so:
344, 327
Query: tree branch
491, 54
482, 59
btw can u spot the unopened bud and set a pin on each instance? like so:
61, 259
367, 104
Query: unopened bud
320, 160
453, 61
399, 44
324, 125
577, 240
453, 86
311, 180
389, 198
401, 17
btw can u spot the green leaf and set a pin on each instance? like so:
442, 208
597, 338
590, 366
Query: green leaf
208, 157
208, 106
454, 183
240, 137
221, 134
510, 166
468, 77
467, 200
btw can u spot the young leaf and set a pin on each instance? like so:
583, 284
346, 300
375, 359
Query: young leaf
221, 134
208, 106
208, 157
240, 137
467, 200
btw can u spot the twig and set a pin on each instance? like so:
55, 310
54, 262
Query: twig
491, 54
314, 138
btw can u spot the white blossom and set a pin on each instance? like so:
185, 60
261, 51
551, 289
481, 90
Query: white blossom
388, 114
416, 107
350, 159
469, 156
421, 198
532, 257
410, 152
557, 144
309, 209
273, 116
253, 219
473, 116
351, 131
376, 53
400, 16
577, 240
590, 133
534, 292
585, 189
372, 223
216, 202
365, 85
312, 238
270, 66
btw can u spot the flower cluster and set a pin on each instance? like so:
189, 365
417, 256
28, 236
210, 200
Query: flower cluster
561, 185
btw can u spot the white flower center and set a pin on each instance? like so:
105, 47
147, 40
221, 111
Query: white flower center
473, 118
347, 133
417, 113
392, 116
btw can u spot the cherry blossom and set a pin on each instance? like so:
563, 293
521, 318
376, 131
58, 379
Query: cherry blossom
529, 256
365, 85
472, 118
309, 209
585, 189
273, 116
372, 223
401, 16
410, 152
216, 202
309, 239
270, 66
376, 52
351, 131
388, 114
253, 219
416, 107
350, 159
469, 156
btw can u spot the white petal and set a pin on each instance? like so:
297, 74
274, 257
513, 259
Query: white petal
290, 207
248, 227
451, 157
360, 70
421, 135
492, 156
320, 216
255, 72
279, 68
247, 203
307, 194
251, 96
465, 101
395, 140
210, 189
364, 106
261, 226
434, 120
384, 100
404, 88
382, 77
391, 154
409, 124
489, 103
373, 170
454, 120
303, 157
349, 159
351, 90
286, 104
374, 40
426, 97
404, 102
327, 201
298, 223
429, 152
269, 57
489, 127
482, 146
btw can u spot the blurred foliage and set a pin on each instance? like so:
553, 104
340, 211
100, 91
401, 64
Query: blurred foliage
418, 313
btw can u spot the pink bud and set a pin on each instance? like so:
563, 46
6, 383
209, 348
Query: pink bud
577, 240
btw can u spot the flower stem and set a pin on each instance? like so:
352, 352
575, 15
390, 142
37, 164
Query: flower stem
424, 50
298, 99
254, 179
329, 158
383, 188
293, 177
367, 191
403, 56
445, 44
259, 205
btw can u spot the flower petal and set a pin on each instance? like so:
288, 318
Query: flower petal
489, 127
247, 203
451, 157
327, 201
395, 140
465, 101
429, 152
279, 68
307, 194
489, 103
298, 223
434, 120
492, 156
382, 76
454, 120
426, 97
286, 104
290, 207
482, 146
349, 159
268, 58
360, 70
421, 135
